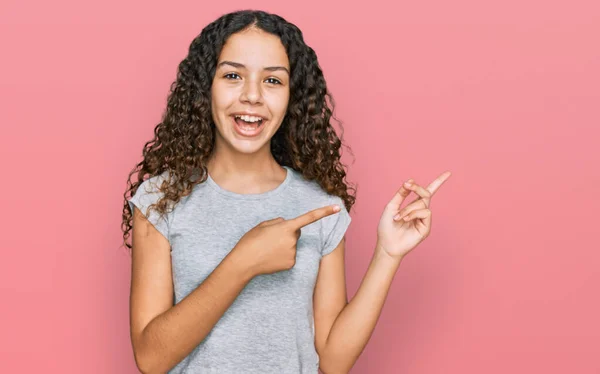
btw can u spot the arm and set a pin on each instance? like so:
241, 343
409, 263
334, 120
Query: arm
163, 334
343, 329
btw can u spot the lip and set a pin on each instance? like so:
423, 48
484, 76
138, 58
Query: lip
246, 133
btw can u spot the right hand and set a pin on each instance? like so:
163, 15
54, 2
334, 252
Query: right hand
270, 246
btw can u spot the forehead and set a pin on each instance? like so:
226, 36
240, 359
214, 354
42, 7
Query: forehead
255, 49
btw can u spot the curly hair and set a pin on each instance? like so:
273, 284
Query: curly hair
184, 139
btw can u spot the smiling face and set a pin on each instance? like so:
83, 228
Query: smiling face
250, 91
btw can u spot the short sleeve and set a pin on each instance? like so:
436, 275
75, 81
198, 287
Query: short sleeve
334, 226
149, 193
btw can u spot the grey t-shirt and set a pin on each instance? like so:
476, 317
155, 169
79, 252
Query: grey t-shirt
269, 328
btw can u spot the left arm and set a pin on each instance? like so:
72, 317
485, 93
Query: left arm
343, 329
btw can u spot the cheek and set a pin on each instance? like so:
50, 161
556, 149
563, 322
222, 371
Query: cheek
278, 103
221, 97
218, 106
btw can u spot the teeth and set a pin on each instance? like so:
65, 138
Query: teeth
249, 118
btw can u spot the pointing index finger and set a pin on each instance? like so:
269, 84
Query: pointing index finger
435, 185
313, 216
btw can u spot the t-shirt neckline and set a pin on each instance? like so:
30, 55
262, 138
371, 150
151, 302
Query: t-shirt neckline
252, 196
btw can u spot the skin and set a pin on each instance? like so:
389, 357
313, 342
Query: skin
341, 342
163, 334
242, 164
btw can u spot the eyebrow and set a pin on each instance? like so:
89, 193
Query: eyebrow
242, 66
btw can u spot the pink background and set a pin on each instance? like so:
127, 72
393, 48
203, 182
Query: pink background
504, 94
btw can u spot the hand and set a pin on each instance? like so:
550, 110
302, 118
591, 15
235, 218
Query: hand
270, 246
401, 230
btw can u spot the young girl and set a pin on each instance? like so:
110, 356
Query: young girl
238, 232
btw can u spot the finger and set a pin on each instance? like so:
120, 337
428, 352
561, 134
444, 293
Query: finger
271, 221
421, 213
422, 192
312, 216
417, 204
435, 185
400, 195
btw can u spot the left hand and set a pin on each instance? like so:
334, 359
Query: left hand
397, 237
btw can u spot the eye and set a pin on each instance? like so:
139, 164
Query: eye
273, 80
230, 74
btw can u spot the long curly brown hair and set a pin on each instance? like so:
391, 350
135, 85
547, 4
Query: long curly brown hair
183, 141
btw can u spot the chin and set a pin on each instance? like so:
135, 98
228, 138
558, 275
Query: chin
247, 145
247, 149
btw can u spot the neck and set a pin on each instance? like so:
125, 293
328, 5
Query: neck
245, 173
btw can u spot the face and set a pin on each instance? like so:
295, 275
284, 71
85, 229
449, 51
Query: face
251, 83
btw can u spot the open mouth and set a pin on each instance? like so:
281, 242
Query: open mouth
249, 122
248, 125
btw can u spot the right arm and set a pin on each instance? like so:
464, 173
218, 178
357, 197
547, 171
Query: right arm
163, 334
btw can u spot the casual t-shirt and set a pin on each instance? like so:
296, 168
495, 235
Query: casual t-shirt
269, 328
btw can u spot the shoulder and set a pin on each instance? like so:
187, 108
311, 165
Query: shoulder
148, 192
309, 194
153, 184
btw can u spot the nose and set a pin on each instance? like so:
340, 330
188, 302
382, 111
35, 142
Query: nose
251, 92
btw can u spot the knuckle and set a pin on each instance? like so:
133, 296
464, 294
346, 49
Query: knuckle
291, 240
288, 226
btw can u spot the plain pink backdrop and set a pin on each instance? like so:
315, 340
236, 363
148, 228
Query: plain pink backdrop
503, 94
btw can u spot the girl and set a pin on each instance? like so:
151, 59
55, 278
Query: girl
238, 232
